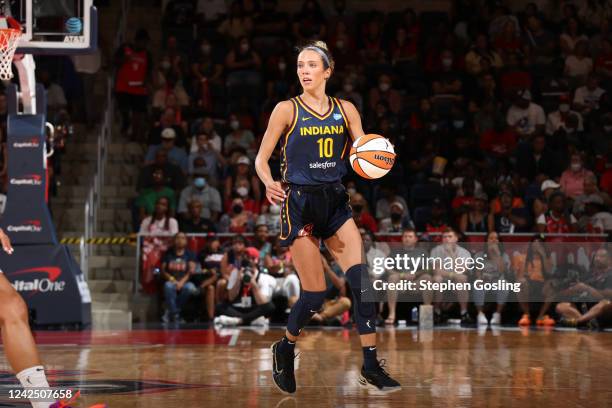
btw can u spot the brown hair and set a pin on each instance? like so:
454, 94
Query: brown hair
321, 48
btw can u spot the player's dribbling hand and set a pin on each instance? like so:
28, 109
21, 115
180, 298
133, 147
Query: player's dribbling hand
275, 192
6, 243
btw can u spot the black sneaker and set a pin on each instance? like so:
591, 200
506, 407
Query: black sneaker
282, 370
467, 321
378, 379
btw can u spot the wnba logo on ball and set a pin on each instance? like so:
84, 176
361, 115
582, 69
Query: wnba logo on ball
386, 159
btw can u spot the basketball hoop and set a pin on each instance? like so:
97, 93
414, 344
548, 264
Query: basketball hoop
10, 31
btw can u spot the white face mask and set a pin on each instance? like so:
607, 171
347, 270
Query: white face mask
564, 107
384, 86
234, 124
576, 166
242, 191
282, 66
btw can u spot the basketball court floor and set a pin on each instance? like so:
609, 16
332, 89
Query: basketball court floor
202, 367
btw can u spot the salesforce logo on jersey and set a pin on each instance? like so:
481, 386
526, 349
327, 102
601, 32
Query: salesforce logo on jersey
322, 165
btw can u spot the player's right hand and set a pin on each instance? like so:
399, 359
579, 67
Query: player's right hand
275, 193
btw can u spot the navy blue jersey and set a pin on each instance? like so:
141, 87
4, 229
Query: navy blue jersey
313, 149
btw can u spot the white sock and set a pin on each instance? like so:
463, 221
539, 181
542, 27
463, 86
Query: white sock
34, 377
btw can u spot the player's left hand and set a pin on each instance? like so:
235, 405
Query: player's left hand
6, 243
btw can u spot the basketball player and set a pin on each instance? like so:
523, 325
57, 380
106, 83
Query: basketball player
315, 131
17, 338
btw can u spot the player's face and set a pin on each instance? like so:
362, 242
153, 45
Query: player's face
311, 70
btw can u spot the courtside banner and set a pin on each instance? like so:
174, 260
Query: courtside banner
50, 282
26, 218
536, 271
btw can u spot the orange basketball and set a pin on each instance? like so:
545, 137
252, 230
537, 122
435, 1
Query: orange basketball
372, 156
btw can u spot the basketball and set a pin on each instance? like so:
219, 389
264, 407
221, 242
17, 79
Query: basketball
372, 156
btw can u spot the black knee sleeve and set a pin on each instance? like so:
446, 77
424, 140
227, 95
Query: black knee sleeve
302, 311
364, 313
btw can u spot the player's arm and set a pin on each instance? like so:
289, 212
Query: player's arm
354, 120
279, 122
6, 242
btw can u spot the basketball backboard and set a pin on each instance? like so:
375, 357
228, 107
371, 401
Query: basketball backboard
56, 26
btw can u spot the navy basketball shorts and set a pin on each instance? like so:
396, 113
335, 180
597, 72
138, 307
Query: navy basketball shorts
313, 210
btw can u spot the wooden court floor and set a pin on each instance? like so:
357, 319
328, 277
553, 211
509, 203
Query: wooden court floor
231, 368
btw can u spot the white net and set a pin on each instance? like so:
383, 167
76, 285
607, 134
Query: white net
9, 37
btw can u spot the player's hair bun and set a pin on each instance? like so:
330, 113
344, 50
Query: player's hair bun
321, 44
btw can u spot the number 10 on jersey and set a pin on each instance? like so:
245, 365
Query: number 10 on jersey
326, 147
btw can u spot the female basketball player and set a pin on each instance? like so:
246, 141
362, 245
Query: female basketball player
18, 342
315, 129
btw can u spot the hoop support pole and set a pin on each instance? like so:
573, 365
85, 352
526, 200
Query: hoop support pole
27, 82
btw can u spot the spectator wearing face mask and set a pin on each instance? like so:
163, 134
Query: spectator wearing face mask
558, 119
572, 179
361, 213
349, 93
590, 190
242, 190
237, 220
386, 92
206, 194
398, 219
243, 174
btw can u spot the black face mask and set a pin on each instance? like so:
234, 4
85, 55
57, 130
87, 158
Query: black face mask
358, 207
237, 209
396, 217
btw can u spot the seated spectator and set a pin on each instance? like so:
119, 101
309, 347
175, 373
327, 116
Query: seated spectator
207, 75
480, 51
270, 216
168, 120
579, 65
349, 93
175, 179
193, 222
238, 220
498, 142
386, 92
541, 42
207, 195
310, 22
177, 267
475, 218
277, 261
242, 65
509, 40
206, 126
242, 175
206, 161
237, 24
160, 222
533, 270
598, 287
361, 213
239, 139
514, 76
249, 296
405, 46
176, 155
558, 119
148, 198
438, 222
447, 84
572, 179
536, 158
540, 204
587, 97
389, 194
412, 250
571, 36
556, 220
464, 197
509, 219
596, 218
209, 260
496, 267
590, 189
336, 301
451, 249
398, 219
525, 117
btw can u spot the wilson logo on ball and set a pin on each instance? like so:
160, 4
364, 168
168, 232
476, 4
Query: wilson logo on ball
372, 156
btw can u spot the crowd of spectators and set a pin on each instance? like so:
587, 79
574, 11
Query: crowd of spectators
501, 116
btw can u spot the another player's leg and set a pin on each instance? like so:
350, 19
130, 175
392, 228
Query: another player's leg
346, 247
19, 345
307, 262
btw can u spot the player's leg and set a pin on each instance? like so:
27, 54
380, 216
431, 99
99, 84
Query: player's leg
19, 345
347, 249
307, 262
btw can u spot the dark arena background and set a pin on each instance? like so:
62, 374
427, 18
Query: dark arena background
500, 113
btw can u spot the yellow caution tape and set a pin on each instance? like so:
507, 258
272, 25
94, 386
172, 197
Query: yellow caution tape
130, 240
